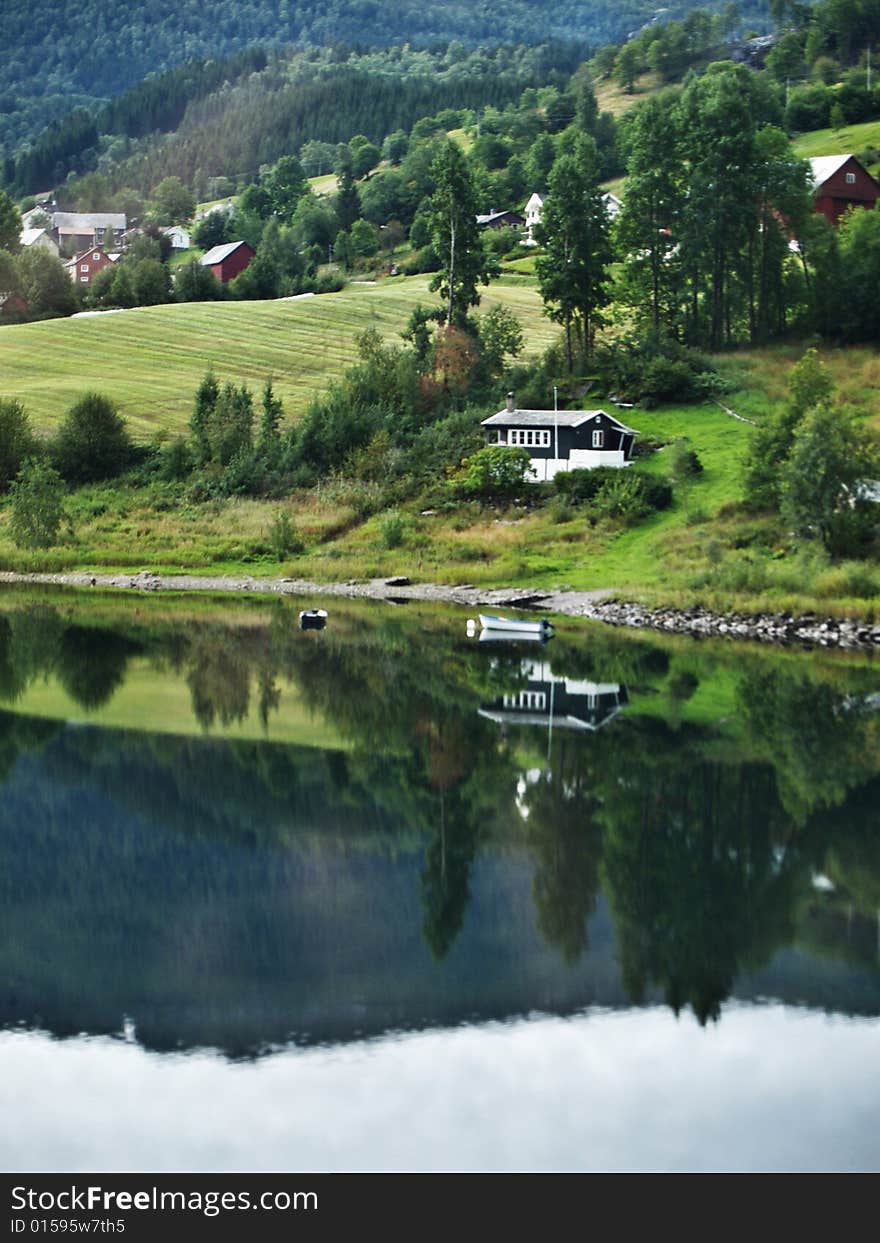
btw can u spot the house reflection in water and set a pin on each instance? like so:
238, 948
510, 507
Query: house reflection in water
559, 702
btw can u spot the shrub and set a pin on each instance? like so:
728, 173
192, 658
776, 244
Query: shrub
92, 442
37, 505
392, 529
616, 493
652, 368
284, 539
685, 462
16, 441
621, 498
175, 462
496, 470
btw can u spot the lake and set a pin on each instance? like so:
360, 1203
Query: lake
386, 897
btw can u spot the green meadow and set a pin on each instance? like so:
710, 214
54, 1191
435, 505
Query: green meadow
150, 360
849, 140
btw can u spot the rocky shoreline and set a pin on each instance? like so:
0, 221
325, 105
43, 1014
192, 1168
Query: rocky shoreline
807, 629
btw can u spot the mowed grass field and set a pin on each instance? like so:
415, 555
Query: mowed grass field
849, 140
150, 360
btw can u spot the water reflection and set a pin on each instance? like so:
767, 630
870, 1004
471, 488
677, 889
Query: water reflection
482, 833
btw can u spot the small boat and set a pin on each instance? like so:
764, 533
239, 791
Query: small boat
515, 625
313, 619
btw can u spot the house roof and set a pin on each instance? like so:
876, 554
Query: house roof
77, 221
825, 166
547, 418
218, 253
488, 217
84, 254
29, 236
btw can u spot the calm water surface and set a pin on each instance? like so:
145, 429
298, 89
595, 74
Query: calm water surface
384, 897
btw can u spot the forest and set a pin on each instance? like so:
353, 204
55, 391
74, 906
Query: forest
79, 54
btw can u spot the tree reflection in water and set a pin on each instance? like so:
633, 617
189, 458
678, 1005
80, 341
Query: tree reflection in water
702, 825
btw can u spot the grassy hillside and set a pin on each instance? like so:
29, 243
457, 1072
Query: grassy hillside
150, 360
851, 139
702, 549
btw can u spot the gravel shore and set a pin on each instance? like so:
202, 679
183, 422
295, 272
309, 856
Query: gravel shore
807, 629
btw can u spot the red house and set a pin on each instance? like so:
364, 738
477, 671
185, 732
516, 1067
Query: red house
228, 260
83, 269
840, 182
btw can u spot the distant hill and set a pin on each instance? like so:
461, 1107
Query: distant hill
62, 54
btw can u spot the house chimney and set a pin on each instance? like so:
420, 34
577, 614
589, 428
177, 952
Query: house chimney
511, 403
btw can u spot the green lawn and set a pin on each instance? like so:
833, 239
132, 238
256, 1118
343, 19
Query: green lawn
150, 360
325, 184
851, 139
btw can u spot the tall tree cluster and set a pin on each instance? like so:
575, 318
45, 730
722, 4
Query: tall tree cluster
573, 270
714, 199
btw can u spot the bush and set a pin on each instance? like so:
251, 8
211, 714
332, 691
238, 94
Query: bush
685, 462
16, 441
392, 529
37, 505
284, 539
617, 493
652, 368
175, 461
92, 442
496, 470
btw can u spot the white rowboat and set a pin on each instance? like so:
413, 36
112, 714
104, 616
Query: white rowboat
515, 625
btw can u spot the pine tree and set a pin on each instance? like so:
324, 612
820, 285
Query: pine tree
573, 271
456, 236
648, 225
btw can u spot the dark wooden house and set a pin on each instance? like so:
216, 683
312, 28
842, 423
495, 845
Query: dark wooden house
840, 182
228, 260
551, 701
562, 440
501, 220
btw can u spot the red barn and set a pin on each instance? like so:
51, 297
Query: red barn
840, 182
228, 260
83, 269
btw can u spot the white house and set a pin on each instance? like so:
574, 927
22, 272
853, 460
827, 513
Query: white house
39, 238
180, 238
535, 209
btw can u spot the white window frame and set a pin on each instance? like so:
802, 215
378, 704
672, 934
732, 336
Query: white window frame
530, 438
84, 280
850, 179
95, 257
598, 438
83, 267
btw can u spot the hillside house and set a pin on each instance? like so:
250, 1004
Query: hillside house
840, 182
179, 237
85, 266
79, 231
501, 220
41, 239
562, 440
228, 260
535, 209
